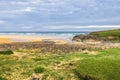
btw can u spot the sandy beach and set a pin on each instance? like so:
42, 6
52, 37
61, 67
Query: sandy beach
21, 38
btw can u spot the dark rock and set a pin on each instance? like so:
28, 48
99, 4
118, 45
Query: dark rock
71, 64
35, 79
86, 37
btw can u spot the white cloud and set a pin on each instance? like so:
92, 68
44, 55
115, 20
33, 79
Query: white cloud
19, 3
28, 9
27, 27
36, 1
2, 22
15, 11
80, 27
99, 26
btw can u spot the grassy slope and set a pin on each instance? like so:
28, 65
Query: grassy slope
113, 35
102, 67
72, 66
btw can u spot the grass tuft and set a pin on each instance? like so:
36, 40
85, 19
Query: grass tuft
39, 70
1, 78
8, 52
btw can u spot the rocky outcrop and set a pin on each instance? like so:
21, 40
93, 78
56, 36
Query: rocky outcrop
86, 38
109, 35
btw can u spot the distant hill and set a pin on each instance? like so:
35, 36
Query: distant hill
108, 35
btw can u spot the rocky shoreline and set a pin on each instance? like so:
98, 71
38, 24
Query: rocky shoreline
91, 41
58, 48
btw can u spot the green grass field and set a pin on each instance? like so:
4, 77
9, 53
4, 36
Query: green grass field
112, 35
104, 66
27, 64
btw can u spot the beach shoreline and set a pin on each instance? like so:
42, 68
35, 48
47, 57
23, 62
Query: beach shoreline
26, 42
26, 38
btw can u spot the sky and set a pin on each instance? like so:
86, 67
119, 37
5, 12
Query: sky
59, 15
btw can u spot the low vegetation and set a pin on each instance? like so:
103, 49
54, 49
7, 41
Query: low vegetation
112, 35
109, 35
104, 66
39, 70
1, 78
7, 52
27, 65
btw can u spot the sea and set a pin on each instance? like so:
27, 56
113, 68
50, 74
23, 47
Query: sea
54, 35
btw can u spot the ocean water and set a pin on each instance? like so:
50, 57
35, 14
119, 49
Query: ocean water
52, 35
